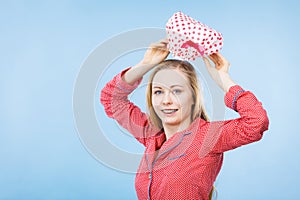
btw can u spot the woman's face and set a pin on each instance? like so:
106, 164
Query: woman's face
172, 98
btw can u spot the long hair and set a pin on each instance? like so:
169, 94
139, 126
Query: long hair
213, 191
198, 109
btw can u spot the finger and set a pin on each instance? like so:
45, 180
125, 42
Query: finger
222, 59
161, 47
214, 58
159, 44
164, 41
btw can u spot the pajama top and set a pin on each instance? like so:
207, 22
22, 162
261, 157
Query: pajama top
186, 165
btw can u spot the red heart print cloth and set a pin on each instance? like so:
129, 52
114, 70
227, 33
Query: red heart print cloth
189, 39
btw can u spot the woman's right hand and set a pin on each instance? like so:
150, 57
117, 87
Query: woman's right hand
156, 53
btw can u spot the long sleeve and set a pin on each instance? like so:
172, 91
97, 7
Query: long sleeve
114, 98
248, 128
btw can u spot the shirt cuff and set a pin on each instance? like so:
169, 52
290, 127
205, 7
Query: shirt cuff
232, 96
123, 85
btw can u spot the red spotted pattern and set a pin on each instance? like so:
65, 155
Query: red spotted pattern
181, 28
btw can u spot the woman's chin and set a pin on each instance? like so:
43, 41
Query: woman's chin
171, 122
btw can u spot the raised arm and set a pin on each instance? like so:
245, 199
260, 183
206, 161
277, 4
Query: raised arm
253, 121
114, 96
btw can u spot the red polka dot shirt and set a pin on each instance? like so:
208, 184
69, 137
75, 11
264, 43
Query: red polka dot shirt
187, 164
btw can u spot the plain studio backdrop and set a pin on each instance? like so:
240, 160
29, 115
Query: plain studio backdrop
42, 47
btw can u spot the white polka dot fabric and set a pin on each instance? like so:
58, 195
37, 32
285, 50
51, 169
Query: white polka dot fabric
189, 39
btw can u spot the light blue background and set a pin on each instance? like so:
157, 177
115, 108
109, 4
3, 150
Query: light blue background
44, 43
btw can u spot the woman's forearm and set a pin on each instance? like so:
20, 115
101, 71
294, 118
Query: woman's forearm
226, 82
136, 72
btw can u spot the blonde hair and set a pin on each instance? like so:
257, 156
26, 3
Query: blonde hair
213, 190
198, 109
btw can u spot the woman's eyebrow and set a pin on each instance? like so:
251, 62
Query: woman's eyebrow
172, 86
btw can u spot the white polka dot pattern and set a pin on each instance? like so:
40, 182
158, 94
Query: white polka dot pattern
188, 38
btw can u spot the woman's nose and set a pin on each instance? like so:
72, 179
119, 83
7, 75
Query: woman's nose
167, 99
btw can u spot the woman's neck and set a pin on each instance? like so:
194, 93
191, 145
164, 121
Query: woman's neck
171, 130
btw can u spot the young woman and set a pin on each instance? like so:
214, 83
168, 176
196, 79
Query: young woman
184, 151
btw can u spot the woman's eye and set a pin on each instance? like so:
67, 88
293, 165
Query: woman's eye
157, 92
176, 91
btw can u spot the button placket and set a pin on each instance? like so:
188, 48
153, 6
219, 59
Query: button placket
151, 165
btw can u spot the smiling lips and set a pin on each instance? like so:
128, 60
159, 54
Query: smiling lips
169, 111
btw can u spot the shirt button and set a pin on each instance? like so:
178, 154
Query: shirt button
150, 176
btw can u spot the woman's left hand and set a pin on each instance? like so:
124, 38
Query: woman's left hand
219, 72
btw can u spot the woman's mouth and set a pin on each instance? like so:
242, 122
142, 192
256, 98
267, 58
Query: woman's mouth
169, 111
